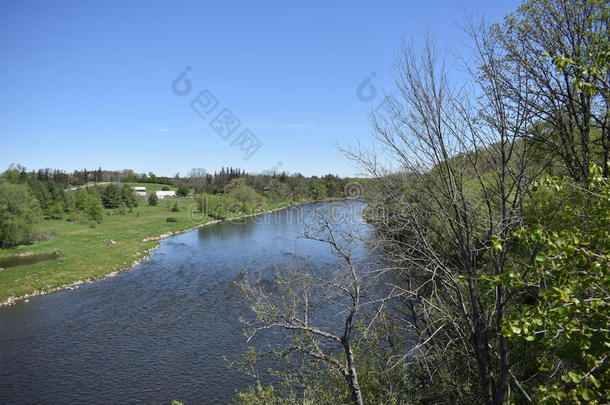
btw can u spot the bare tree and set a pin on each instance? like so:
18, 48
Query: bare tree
320, 307
199, 179
454, 190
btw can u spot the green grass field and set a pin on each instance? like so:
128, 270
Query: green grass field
85, 252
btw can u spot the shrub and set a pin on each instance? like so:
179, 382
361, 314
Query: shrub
171, 219
18, 210
93, 208
74, 217
318, 189
130, 199
566, 325
56, 211
153, 200
175, 207
183, 190
165, 188
38, 235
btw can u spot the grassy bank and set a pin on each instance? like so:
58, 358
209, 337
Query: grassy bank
85, 251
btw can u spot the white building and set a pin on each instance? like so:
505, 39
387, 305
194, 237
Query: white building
163, 194
139, 191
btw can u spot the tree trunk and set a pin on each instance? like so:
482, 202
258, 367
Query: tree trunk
352, 376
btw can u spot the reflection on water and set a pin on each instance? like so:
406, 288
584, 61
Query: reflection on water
13, 261
155, 333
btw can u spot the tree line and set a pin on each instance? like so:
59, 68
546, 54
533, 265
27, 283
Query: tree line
18, 173
26, 196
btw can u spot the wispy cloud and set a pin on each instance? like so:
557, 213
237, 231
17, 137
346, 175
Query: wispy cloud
163, 129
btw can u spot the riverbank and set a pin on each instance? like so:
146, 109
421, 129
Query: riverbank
86, 253
179, 307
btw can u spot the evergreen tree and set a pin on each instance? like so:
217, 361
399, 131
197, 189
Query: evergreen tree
111, 196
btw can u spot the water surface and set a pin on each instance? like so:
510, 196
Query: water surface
13, 261
157, 332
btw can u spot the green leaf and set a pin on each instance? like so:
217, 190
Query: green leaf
496, 244
540, 257
586, 394
574, 377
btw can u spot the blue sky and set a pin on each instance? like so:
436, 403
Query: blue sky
88, 84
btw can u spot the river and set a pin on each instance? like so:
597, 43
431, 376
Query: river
159, 331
